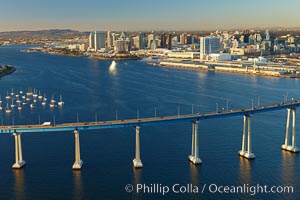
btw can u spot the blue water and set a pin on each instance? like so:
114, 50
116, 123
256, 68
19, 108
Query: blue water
90, 87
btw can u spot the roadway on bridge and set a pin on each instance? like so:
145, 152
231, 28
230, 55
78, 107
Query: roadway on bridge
149, 121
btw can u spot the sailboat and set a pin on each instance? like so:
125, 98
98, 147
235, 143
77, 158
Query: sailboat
60, 103
29, 93
7, 96
45, 98
34, 93
12, 92
18, 100
7, 110
24, 102
1, 106
52, 100
12, 103
40, 96
19, 106
0, 99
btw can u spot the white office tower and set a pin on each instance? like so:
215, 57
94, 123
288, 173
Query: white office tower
91, 41
99, 40
267, 35
209, 45
109, 40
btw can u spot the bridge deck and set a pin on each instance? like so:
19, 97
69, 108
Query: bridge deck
149, 121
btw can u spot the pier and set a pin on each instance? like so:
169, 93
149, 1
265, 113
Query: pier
195, 119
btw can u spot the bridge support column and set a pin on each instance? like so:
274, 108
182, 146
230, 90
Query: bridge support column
247, 150
18, 152
78, 162
194, 157
287, 146
137, 163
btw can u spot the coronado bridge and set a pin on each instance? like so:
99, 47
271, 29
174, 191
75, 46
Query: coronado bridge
246, 150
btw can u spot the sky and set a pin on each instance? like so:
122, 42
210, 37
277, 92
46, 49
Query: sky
141, 15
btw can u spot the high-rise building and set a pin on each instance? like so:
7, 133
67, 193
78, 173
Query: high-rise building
121, 46
258, 37
141, 41
99, 40
182, 39
189, 39
209, 45
150, 39
163, 41
135, 44
109, 40
91, 41
154, 44
268, 35
123, 35
169, 42
115, 37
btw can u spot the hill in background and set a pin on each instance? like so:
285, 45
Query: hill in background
42, 34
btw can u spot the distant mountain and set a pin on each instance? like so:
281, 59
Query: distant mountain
42, 34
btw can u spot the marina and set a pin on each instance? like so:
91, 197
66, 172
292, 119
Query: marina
12, 100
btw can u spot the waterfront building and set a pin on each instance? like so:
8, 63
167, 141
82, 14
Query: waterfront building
121, 46
99, 40
115, 37
76, 47
154, 44
209, 45
135, 42
109, 41
91, 41
150, 38
183, 55
219, 57
82, 47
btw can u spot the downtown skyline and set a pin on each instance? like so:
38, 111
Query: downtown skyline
135, 15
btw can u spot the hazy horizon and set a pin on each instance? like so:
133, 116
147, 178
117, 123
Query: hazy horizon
134, 15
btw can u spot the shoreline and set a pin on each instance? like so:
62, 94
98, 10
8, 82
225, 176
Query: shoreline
250, 71
244, 71
81, 54
115, 58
